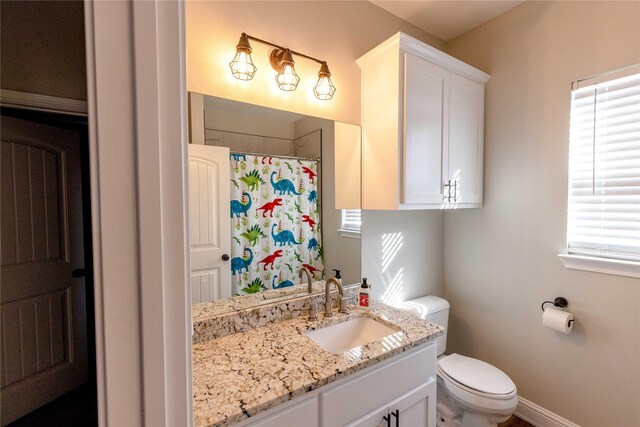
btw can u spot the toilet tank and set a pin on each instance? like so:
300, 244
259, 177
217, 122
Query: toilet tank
434, 309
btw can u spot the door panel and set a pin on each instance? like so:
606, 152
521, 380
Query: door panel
425, 97
465, 139
210, 223
44, 332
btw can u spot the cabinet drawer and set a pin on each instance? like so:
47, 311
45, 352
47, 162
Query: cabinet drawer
353, 399
301, 414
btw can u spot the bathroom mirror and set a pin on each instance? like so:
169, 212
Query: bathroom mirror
264, 185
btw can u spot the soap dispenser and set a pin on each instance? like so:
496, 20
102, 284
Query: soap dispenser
363, 296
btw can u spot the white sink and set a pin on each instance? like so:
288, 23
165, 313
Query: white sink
352, 333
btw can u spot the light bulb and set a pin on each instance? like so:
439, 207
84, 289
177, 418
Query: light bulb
242, 66
324, 89
287, 79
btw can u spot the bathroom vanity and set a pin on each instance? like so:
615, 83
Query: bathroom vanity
281, 373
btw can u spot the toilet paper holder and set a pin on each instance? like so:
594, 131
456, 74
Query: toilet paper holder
558, 302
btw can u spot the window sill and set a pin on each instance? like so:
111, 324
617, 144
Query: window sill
601, 265
352, 234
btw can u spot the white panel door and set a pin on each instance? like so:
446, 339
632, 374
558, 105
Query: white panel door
425, 129
210, 222
43, 315
464, 165
417, 407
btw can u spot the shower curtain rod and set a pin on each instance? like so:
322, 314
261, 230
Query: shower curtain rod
275, 155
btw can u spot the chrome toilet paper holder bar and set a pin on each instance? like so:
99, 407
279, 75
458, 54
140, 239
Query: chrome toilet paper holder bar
558, 302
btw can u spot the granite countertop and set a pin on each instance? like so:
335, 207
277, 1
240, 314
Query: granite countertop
239, 375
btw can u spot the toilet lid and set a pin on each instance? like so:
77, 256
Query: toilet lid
476, 374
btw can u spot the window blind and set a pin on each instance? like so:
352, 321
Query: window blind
604, 170
351, 219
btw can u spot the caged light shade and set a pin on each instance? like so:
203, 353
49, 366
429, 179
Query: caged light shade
287, 78
324, 89
242, 66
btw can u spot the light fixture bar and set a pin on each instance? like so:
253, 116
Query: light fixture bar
281, 59
283, 48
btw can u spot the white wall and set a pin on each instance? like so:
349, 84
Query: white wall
500, 261
336, 31
402, 254
340, 252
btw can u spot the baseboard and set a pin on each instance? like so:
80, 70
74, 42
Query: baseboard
33, 101
540, 417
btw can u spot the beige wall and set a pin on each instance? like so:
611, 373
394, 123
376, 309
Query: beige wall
340, 252
402, 254
500, 261
337, 32
42, 46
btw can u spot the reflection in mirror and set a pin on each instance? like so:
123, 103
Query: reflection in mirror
262, 201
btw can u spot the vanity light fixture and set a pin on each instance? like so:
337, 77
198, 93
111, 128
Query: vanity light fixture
242, 66
281, 59
324, 89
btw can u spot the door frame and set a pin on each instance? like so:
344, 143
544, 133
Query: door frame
137, 112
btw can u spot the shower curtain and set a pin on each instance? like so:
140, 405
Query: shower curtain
275, 222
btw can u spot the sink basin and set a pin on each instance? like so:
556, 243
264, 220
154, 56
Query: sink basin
352, 333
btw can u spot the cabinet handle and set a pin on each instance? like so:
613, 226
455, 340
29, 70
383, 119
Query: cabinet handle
387, 418
396, 414
455, 191
448, 190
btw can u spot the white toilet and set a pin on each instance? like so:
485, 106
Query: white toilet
471, 393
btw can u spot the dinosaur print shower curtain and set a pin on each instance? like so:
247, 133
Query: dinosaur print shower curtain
275, 222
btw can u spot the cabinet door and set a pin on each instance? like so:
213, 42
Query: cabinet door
373, 419
416, 408
464, 150
425, 128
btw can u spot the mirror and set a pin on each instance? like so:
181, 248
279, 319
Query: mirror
263, 189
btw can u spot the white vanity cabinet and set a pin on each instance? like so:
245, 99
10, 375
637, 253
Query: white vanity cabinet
402, 389
410, 409
423, 124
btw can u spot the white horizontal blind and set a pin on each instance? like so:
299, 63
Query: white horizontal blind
351, 219
604, 170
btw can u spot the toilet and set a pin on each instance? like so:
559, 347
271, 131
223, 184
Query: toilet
471, 393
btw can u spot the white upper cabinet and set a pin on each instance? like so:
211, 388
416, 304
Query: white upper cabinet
423, 120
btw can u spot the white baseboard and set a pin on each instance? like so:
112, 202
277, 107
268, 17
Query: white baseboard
540, 417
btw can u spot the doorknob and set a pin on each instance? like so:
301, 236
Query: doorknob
225, 257
78, 272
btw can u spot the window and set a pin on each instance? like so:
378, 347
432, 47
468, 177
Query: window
604, 170
351, 223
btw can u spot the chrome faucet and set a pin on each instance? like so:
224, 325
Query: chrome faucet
313, 309
327, 296
305, 270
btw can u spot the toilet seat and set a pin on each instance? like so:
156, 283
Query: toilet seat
476, 376
477, 386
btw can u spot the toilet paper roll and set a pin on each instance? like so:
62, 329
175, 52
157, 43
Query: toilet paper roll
559, 320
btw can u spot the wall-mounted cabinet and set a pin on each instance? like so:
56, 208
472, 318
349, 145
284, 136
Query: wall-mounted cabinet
423, 123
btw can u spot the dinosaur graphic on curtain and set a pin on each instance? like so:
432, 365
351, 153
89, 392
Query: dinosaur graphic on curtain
275, 222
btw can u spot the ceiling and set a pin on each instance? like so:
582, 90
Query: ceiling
447, 19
